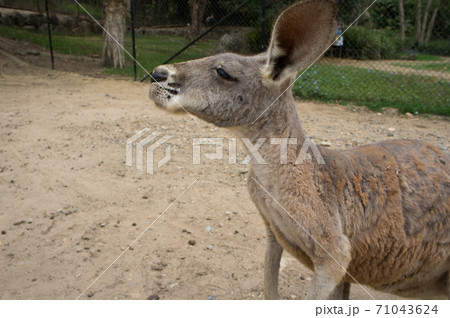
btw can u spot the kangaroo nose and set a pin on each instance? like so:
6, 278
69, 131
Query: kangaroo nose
158, 76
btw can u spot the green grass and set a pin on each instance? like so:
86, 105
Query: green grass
374, 89
74, 45
155, 50
428, 57
443, 67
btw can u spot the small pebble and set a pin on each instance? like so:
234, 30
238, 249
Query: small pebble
145, 197
3, 232
90, 295
209, 247
153, 297
134, 224
191, 242
228, 213
212, 297
19, 222
157, 267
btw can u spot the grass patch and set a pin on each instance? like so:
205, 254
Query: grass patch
443, 67
374, 89
155, 50
428, 57
74, 45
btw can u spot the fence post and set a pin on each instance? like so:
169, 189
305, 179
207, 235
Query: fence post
49, 35
133, 38
263, 25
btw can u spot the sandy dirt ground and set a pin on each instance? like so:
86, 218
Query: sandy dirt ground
70, 207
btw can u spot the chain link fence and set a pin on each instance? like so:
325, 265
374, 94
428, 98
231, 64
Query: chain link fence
397, 53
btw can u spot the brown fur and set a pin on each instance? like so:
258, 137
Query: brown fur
376, 214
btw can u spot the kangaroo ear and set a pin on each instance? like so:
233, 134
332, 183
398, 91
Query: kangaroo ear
300, 35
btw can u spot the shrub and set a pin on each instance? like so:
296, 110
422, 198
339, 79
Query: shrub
254, 40
439, 47
364, 43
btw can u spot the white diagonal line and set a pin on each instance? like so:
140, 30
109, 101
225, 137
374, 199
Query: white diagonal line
313, 62
320, 245
137, 238
131, 56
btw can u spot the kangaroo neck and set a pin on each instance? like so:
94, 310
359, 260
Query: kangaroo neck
277, 136
280, 120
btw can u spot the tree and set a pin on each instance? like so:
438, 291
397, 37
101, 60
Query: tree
430, 28
197, 8
423, 27
401, 9
114, 13
418, 19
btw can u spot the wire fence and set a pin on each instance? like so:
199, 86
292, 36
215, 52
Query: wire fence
396, 54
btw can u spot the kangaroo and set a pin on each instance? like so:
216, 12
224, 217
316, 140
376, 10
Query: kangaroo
376, 215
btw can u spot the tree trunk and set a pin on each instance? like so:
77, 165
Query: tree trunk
197, 11
430, 27
114, 13
401, 8
424, 22
418, 19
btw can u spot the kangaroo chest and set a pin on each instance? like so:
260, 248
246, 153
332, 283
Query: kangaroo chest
286, 225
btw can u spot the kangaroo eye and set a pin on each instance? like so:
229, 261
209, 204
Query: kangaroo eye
224, 74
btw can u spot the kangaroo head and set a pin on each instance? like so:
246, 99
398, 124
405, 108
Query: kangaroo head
233, 90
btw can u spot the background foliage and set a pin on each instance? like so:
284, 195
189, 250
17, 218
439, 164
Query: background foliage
375, 67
